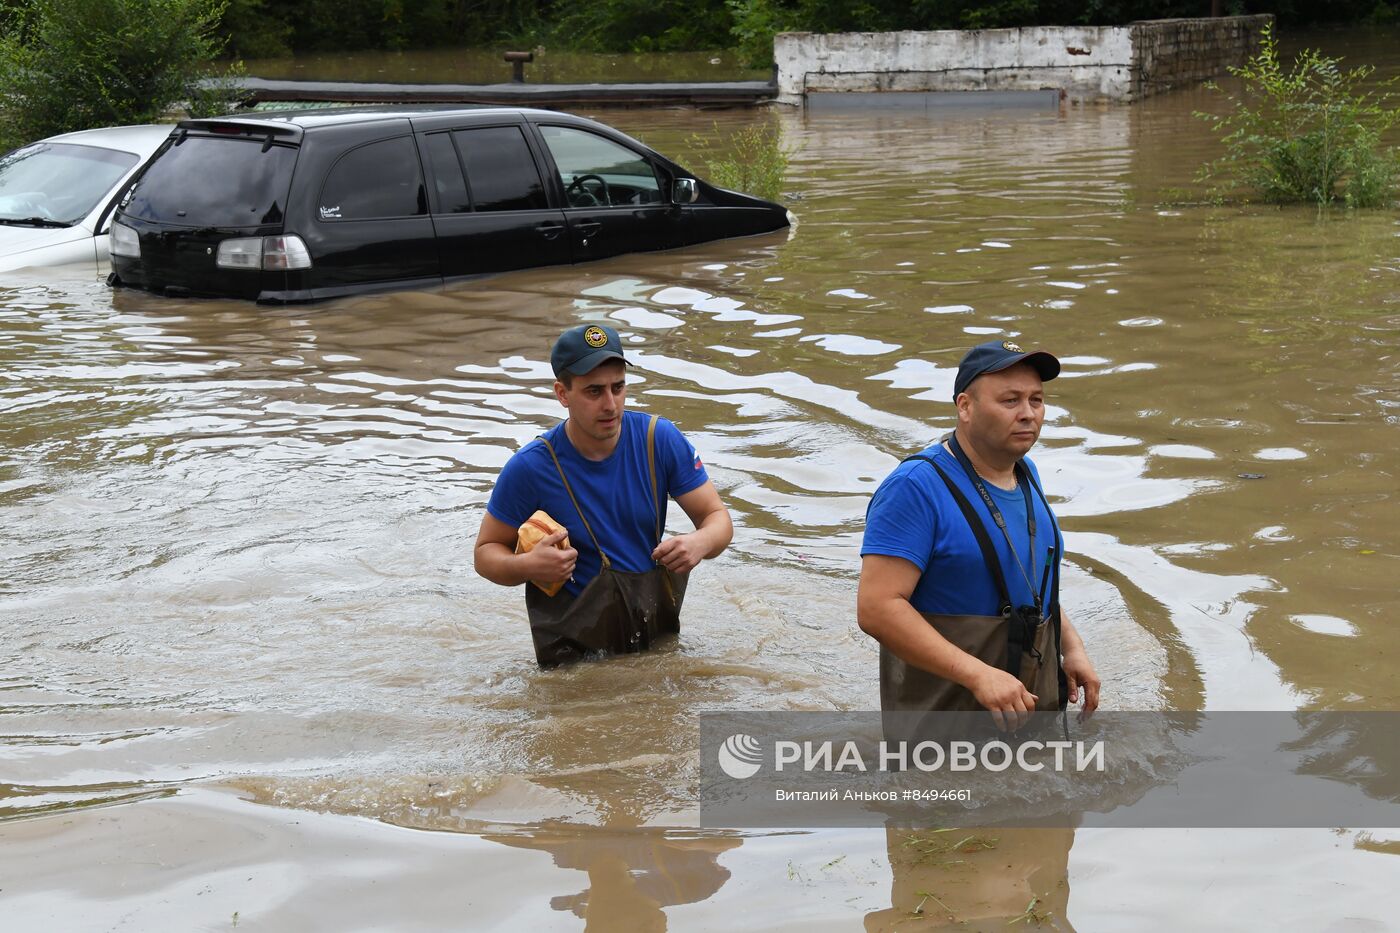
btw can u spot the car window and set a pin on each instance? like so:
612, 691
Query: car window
221, 181
597, 172
58, 181
376, 180
500, 169
448, 183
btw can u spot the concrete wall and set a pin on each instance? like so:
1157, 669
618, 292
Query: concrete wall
1173, 53
1087, 63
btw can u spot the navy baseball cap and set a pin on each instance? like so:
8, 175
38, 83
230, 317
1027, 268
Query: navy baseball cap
996, 355
582, 349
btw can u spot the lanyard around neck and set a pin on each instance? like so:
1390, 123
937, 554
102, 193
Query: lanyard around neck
1022, 480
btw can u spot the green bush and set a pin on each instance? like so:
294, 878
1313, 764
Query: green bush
86, 63
756, 22
752, 160
14, 17
1310, 134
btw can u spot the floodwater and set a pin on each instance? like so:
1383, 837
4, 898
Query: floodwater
250, 679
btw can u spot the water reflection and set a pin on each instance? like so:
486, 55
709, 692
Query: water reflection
978, 879
631, 877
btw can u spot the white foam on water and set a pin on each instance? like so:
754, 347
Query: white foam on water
1280, 453
1325, 624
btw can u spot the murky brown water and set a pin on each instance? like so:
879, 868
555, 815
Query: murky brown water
238, 544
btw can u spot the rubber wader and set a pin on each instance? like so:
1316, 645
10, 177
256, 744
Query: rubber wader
618, 612
1024, 641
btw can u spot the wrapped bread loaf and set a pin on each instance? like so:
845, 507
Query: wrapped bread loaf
536, 528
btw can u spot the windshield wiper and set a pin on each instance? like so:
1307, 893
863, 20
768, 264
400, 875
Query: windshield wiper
33, 222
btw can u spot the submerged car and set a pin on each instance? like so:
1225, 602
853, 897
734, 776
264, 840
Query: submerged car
312, 205
57, 195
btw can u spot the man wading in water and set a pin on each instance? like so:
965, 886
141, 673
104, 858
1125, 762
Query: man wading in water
605, 475
960, 565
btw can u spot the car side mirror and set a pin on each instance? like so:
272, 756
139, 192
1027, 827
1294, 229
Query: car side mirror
685, 191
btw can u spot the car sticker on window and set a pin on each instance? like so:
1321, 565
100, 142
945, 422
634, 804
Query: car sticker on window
330, 213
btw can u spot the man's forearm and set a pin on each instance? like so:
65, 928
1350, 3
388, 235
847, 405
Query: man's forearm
899, 627
500, 564
1070, 642
714, 533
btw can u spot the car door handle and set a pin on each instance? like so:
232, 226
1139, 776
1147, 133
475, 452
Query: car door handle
550, 231
588, 228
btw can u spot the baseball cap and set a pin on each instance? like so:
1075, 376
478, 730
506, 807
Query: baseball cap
996, 355
581, 349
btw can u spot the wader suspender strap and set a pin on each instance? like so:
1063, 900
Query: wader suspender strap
1054, 603
1022, 480
570, 490
1017, 639
651, 471
656, 502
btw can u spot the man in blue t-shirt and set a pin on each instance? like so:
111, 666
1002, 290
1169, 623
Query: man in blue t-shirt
943, 604
605, 475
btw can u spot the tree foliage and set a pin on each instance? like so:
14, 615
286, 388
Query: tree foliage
264, 28
756, 21
1309, 133
83, 63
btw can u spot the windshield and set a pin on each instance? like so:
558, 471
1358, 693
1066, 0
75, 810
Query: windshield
58, 182
205, 181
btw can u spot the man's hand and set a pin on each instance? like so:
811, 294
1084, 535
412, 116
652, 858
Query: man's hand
548, 563
1004, 696
883, 611
713, 531
1079, 672
680, 554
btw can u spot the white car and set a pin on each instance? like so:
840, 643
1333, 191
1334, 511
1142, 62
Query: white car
57, 195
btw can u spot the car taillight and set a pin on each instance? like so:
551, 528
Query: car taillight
285, 252
240, 254
123, 241
271, 253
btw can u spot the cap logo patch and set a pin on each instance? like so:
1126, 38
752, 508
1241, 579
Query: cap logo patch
1011, 347
595, 337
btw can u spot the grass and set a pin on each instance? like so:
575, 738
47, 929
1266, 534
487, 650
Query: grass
1032, 914
926, 897
938, 844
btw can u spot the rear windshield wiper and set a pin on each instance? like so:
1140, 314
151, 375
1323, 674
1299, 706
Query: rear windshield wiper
33, 222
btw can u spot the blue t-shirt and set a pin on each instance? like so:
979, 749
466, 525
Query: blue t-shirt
914, 516
614, 493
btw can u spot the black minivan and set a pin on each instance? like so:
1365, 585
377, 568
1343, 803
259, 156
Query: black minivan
310, 205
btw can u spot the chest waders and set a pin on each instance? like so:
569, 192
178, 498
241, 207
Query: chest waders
618, 612
1024, 641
